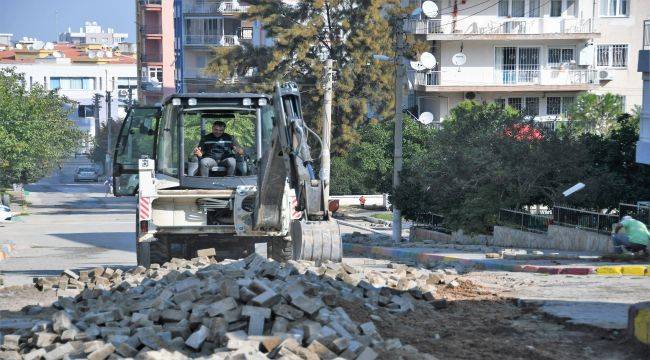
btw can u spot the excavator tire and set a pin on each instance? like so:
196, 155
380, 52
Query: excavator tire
316, 240
280, 249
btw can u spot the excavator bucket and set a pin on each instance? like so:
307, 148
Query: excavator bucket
316, 240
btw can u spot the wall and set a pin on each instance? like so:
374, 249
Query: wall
625, 30
167, 20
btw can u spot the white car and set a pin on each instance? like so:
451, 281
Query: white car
5, 213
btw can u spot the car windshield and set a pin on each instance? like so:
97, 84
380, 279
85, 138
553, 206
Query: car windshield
87, 169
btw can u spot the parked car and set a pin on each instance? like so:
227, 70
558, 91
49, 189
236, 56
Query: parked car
86, 174
5, 213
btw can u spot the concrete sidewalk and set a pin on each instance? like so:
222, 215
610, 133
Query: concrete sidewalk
477, 260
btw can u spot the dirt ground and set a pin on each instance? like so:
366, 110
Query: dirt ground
478, 324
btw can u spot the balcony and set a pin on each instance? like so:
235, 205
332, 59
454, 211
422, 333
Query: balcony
215, 7
504, 79
153, 5
151, 30
212, 40
154, 58
504, 29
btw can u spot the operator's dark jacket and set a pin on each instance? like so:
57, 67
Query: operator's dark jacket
218, 148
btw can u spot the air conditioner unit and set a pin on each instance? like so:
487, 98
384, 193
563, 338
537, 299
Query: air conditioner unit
123, 92
471, 95
605, 75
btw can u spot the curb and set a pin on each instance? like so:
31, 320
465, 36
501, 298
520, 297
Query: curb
6, 250
425, 258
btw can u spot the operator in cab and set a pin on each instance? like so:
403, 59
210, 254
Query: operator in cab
218, 149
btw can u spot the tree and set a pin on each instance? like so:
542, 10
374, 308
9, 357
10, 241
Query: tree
304, 34
367, 167
614, 175
595, 114
100, 143
35, 132
486, 158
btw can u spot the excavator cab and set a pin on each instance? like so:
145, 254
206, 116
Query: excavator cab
274, 195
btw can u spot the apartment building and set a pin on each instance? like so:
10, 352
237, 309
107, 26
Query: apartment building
155, 25
78, 73
201, 25
534, 55
92, 33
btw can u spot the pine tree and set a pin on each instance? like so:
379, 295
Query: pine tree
304, 34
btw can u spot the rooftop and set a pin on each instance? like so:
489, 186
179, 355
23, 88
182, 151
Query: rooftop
75, 53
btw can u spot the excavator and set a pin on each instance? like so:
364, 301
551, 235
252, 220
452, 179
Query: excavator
274, 195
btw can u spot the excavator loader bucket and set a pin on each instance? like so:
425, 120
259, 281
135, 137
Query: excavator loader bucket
316, 240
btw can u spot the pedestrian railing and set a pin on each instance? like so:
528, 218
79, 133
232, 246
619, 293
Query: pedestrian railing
521, 220
584, 219
639, 212
431, 221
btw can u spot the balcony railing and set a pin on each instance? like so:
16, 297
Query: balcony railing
151, 29
507, 76
224, 7
212, 40
151, 58
525, 26
150, 2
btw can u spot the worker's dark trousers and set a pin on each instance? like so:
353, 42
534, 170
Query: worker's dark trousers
624, 240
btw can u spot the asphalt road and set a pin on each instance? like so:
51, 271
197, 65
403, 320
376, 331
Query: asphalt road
70, 225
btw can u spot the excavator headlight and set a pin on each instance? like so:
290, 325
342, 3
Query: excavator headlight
247, 102
191, 101
176, 101
262, 102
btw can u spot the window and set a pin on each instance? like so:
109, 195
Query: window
72, 83
168, 143
612, 55
86, 110
559, 56
614, 7
500, 103
533, 8
532, 107
556, 105
247, 33
503, 8
518, 8
153, 72
515, 103
556, 8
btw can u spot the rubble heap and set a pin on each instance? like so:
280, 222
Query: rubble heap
251, 308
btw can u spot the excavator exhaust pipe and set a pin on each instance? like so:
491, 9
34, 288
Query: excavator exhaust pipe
316, 240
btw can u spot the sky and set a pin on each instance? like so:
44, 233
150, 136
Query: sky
45, 19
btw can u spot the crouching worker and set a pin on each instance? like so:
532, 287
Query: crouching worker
631, 235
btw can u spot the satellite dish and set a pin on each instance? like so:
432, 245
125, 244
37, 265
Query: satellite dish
417, 66
109, 54
49, 46
38, 45
19, 46
100, 54
430, 9
56, 54
428, 60
459, 59
426, 118
91, 54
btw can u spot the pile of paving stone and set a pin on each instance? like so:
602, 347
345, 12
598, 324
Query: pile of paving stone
236, 309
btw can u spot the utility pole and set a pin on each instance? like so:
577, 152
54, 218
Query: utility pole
399, 112
96, 107
130, 96
109, 128
327, 129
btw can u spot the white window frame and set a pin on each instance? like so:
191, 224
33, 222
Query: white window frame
610, 55
563, 9
620, 12
564, 104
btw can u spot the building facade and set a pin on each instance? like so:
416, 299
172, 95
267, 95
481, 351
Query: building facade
92, 33
155, 24
201, 25
534, 55
79, 74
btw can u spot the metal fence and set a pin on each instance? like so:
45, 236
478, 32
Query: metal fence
639, 212
430, 221
524, 221
584, 219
